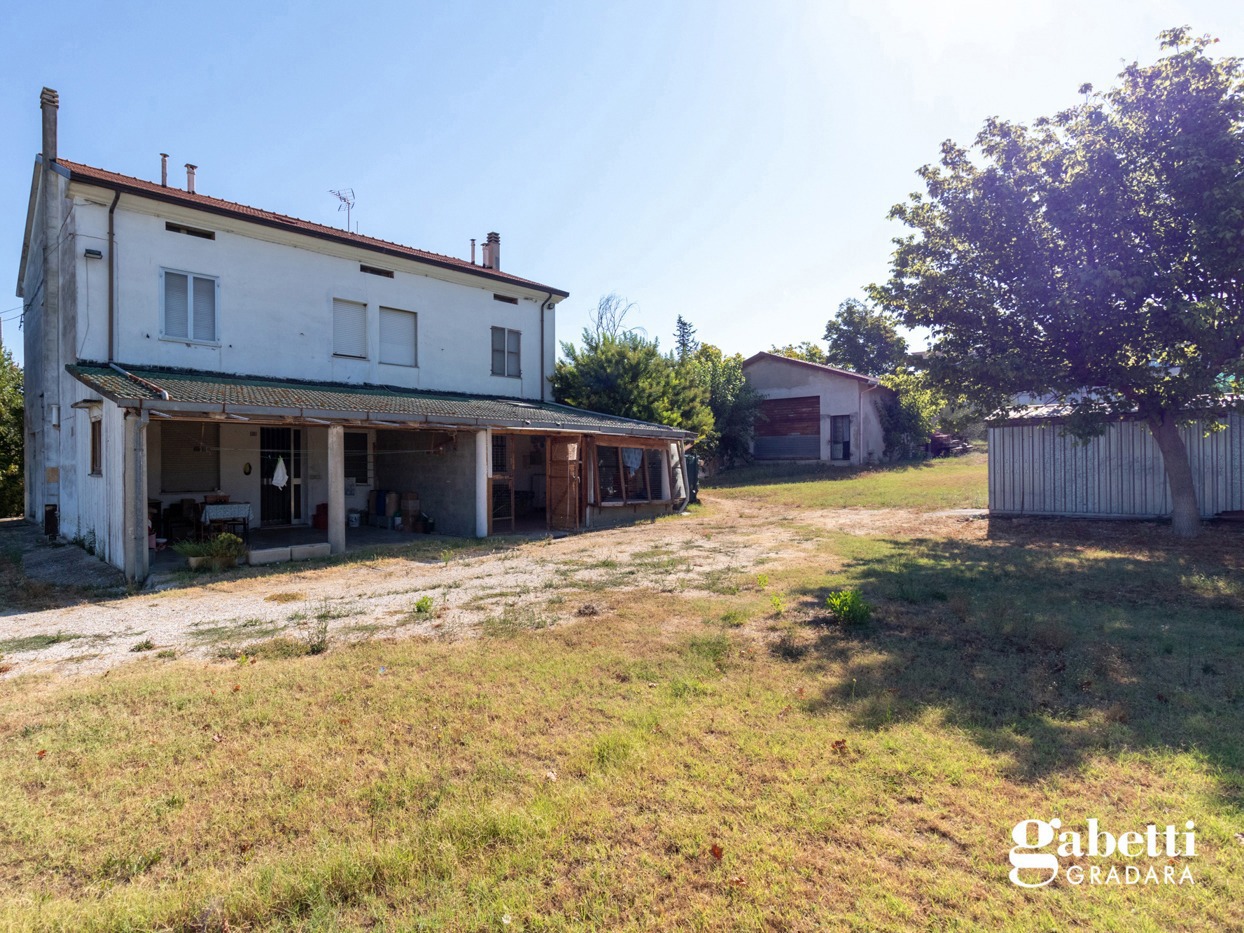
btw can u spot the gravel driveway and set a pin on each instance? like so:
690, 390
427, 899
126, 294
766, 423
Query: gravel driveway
537, 582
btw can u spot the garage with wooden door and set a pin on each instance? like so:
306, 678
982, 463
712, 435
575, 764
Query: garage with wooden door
789, 429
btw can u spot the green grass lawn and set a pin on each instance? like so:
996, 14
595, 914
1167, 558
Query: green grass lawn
927, 485
710, 760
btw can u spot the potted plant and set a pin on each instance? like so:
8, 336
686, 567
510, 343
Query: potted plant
224, 551
196, 553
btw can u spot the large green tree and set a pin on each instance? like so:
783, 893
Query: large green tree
864, 339
806, 351
12, 496
734, 403
619, 371
1095, 258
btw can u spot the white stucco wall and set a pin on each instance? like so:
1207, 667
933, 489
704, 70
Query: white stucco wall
274, 314
839, 395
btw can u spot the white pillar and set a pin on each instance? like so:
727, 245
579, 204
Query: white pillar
481, 484
336, 489
134, 495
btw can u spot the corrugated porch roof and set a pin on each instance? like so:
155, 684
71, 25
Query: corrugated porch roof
195, 393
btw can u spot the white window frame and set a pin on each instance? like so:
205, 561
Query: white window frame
380, 328
506, 343
190, 338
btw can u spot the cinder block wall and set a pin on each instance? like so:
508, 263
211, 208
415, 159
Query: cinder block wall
445, 481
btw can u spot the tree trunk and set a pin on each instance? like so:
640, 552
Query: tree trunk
1185, 512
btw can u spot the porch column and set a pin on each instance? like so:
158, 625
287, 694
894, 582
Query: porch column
336, 489
481, 484
134, 497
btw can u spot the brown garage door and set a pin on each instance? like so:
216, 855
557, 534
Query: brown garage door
789, 429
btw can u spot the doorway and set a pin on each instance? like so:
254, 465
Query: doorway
564, 490
280, 505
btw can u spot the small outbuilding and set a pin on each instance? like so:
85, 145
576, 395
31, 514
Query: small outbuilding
1036, 468
815, 412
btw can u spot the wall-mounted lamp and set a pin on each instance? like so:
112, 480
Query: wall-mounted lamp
94, 254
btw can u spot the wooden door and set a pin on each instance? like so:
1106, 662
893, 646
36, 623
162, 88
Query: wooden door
564, 472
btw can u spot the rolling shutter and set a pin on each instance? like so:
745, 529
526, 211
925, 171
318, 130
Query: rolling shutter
189, 457
789, 429
397, 337
176, 305
349, 329
204, 309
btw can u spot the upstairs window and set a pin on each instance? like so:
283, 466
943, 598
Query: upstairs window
188, 306
505, 352
398, 337
349, 329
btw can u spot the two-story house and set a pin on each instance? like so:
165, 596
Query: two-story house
181, 348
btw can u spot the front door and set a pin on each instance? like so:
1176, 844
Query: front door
280, 447
562, 487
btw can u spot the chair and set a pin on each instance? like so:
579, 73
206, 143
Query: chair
181, 520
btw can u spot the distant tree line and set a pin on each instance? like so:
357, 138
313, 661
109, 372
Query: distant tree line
12, 406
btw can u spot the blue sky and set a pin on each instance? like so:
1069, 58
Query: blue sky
732, 162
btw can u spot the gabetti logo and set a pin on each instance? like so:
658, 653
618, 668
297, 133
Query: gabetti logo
1035, 859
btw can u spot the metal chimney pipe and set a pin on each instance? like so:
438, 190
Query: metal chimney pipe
472, 250
49, 103
190, 177
163, 169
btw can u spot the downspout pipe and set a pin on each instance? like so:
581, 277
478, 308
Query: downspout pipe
112, 275
548, 299
142, 382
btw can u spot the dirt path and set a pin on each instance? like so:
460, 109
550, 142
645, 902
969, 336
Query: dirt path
534, 583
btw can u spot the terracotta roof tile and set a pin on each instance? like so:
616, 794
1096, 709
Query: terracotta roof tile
87, 173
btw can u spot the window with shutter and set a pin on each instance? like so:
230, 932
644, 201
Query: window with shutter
204, 309
189, 457
506, 357
398, 337
349, 329
188, 306
176, 305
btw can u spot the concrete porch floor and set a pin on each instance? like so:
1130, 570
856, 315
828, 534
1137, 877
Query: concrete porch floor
359, 538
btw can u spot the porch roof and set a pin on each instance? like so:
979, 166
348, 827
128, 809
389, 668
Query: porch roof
195, 394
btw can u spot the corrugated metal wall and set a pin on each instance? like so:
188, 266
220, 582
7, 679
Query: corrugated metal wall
1036, 470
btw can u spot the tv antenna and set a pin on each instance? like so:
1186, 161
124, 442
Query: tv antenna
346, 197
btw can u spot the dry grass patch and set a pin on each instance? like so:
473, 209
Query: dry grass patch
637, 768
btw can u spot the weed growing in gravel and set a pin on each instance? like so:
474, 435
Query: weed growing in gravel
316, 637
512, 620
35, 642
145, 645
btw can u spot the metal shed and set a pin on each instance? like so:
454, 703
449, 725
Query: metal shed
1037, 469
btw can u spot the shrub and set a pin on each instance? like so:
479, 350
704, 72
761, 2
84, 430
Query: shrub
224, 550
849, 607
192, 548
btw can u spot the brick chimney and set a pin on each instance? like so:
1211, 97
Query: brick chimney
49, 103
492, 251
190, 177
